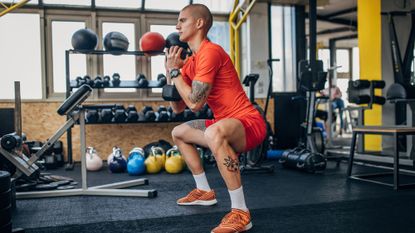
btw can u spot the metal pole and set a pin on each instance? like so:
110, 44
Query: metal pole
17, 109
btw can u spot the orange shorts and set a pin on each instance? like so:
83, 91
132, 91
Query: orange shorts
255, 130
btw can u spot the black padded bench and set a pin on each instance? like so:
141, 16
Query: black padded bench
394, 131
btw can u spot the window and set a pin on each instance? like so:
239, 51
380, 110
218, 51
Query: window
356, 63
176, 5
324, 55
283, 34
219, 34
217, 6
123, 65
343, 60
20, 55
69, 2
118, 3
62, 32
157, 62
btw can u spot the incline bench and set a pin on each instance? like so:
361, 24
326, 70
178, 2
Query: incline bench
394, 131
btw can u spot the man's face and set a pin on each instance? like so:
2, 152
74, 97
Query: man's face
186, 25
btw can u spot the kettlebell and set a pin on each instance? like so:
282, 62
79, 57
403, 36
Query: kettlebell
93, 161
118, 163
174, 162
135, 164
160, 155
152, 165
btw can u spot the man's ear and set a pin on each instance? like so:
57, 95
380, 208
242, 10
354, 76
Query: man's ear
200, 23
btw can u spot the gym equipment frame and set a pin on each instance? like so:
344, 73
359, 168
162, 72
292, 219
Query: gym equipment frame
74, 111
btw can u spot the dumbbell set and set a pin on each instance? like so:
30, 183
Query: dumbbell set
117, 113
115, 81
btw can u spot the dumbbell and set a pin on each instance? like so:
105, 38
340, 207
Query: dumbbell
98, 82
161, 80
88, 80
106, 81
106, 115
80, 81
174, 116
170, 93
189, 115
142, 81
116, 79
162, 114
174, 40
132, 115
91, 116
202, 113
120, 115
148, 113
209, 113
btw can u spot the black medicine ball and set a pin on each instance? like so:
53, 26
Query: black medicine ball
115, 41
84, 39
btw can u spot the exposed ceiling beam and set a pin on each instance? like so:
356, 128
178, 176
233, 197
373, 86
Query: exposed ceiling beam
348, 37
342, 12
344, 22
336, 30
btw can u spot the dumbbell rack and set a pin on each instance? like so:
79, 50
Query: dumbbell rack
71, 84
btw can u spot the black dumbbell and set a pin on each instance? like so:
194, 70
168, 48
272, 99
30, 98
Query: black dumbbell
189, 115
162, 114
88, 80
202, 113
132, 115
92, 116
79, 81
161, 80
170, 93
106, 81
120, 115
106, 115
148, 113
174, 116
142, 81
98, 82
116, 79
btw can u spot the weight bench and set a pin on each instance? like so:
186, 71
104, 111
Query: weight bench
394, 131
76, 113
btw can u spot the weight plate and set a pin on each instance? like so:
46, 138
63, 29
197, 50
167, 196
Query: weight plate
59, 178
25, 187
5, 198
66, 187
5, 215
61, 183
4, 181
44, 187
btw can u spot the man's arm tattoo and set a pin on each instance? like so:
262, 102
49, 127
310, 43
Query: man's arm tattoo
199, 91
231, 164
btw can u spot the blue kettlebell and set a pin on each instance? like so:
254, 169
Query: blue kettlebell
118, 164
135, 165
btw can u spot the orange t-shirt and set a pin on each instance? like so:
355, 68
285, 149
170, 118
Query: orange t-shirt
212, 64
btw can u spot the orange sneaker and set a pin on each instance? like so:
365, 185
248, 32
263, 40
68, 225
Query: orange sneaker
198, 197
235, 221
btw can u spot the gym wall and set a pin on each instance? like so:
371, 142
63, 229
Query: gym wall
40, 121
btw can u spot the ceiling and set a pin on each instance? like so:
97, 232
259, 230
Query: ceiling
335, 19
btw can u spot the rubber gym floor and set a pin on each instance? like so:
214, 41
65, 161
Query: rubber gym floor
285, 201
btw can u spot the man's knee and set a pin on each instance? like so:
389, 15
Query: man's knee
178, 132
214, 136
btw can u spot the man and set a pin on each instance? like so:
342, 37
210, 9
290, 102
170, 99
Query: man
209, 76
337, 102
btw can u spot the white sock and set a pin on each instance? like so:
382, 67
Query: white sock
201, 182
238, 199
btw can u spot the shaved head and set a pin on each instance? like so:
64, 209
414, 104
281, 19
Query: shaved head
200, 11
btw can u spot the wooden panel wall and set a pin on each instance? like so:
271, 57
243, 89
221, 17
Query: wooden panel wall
40, 121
